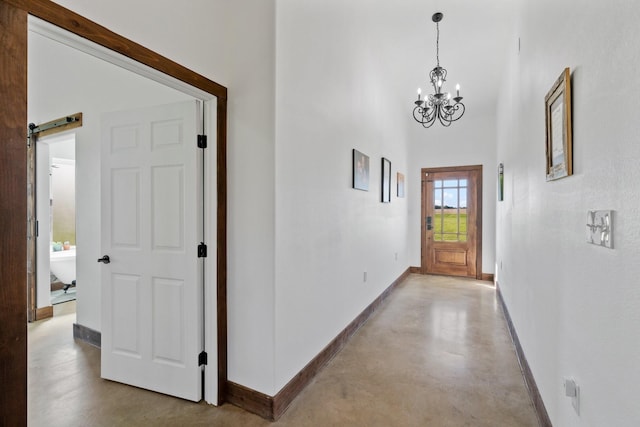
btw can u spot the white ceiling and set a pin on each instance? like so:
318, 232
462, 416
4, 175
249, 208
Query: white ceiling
475, 37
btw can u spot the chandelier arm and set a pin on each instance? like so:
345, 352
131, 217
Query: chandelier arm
422, 116
457, 108
443, 118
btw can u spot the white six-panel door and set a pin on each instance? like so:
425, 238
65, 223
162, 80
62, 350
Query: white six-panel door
151, 194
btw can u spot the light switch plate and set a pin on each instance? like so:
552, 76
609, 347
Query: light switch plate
600, 228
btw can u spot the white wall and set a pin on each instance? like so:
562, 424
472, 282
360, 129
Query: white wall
332, 96
232, 43
470, 141
574, 305
308, 82
63, 81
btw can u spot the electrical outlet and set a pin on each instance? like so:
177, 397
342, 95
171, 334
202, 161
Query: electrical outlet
364, 277
396, 256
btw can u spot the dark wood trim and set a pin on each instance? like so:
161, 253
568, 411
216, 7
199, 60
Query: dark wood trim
13, 216
487, 277
415, 270
250, 400
13, 213
272, 408
221, 285
83, 27
477, 170
88, 335
532, 387
44, 312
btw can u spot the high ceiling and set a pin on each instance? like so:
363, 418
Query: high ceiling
475, 37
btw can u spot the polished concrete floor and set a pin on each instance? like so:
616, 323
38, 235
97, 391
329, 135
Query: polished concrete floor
436, 353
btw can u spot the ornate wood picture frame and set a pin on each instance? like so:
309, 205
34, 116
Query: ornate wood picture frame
559, 144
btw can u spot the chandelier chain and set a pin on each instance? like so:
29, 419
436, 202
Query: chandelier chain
438, 44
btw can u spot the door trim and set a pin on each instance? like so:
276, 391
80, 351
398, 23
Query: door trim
13, 65
475, 169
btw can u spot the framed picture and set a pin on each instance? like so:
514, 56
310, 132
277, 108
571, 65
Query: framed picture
400, 178
558, 121
360, 171
386, 181
500, 182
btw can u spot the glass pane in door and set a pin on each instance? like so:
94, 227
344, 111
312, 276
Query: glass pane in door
450, 210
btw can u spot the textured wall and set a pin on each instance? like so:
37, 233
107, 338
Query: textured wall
574, 306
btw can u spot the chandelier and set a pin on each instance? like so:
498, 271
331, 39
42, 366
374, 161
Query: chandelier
439, 105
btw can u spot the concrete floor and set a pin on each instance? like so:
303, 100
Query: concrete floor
437, 353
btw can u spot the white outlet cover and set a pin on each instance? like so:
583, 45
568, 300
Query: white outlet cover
600, 228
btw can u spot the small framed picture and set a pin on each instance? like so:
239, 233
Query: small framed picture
501, 182
400, 178
360, 171
386, 181
559, 143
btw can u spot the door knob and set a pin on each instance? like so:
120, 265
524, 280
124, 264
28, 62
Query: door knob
104, 259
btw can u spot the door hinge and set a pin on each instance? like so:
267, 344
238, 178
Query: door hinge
202, 141
202, 250
202, 358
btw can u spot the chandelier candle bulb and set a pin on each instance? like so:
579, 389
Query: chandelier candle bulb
458, 90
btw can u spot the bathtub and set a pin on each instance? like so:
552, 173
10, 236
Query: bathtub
63, 265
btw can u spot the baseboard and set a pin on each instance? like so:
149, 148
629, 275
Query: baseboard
44, 312
487, 277
87, 335
415, 270
250, 400
272, 408
532, 387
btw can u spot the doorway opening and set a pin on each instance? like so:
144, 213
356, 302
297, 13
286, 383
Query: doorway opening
75, 72
56, 217
51, 167
13, 17
451, 232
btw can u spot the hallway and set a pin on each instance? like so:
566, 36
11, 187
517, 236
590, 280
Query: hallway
436, 353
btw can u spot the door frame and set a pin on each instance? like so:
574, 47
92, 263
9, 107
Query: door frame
13, 149
473, 169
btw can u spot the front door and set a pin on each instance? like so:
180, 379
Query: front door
152, 285
452, 215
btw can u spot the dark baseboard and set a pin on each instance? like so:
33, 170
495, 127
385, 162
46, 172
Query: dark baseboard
532, 387
250, 400
44, 312
272, 408
87, 335
416, 270
488, 277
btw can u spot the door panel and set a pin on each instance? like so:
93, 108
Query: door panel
152, 317
450, 238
